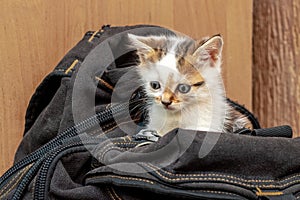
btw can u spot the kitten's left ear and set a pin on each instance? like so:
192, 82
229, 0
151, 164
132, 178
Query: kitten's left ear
210, 51
146, 46
141, 43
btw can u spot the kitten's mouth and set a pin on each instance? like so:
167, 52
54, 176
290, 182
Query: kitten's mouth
169, 108
166, 106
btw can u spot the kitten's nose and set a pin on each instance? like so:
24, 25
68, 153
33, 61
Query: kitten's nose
166, 103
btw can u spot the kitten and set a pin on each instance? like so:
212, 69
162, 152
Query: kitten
182, 79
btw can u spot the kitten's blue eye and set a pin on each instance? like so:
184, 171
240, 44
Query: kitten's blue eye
155, 85
183, 88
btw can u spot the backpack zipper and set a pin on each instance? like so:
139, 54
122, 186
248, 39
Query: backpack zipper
99, 118
43, 165
69, 132
40, 186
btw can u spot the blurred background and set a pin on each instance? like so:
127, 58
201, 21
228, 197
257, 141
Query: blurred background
261, 65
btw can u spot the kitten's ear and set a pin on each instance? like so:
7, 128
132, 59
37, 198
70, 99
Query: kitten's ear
141, 43
147, 46
210, 51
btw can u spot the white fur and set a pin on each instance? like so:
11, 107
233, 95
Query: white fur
209, 116
207, 109
168, 61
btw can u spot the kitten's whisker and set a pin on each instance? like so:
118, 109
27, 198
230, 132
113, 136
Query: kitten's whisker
137, 106
138, 101
135, 109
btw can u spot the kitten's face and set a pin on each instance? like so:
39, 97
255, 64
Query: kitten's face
172, 87
174, 69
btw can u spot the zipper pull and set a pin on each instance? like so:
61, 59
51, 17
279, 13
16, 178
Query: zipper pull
145, 134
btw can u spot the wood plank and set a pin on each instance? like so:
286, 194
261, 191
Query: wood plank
276, 61
233, 20
21, 61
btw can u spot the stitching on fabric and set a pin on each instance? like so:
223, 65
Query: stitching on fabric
212, 174
292, 177
125, 143
213, 178
126, 178
93, 35
16, 182
112, 146
104, 82
289, 183
110, 194
106, 149
201, 178
226, 180
116, 195
72, 66
208, 179
216, 192
232, 177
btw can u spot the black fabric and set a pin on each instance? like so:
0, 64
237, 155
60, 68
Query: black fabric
104, 161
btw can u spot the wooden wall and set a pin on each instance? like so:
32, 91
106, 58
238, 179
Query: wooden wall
276, 63
36, 34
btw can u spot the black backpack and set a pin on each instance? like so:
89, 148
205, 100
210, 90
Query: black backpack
76, 143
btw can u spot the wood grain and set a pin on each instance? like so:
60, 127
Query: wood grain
276, 63
233, 20
36, 34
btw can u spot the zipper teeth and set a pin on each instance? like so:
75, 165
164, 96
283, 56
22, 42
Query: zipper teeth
33, 170
39, 190
100, 117
25, 179
28, 177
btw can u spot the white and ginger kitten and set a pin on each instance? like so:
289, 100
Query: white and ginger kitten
182, 79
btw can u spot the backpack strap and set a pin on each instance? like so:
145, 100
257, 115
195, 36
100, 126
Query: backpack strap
277, 131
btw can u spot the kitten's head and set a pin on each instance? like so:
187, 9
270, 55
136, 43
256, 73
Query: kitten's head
176, 71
